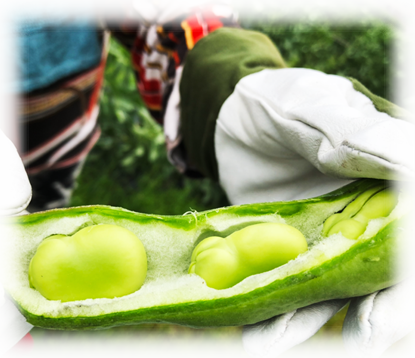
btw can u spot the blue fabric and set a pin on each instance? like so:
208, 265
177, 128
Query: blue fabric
49, 52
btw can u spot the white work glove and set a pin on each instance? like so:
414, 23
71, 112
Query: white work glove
15, 195
294, 133
372, 324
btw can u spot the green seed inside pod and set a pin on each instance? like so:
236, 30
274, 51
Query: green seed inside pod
223, 262
353, 220
100, 261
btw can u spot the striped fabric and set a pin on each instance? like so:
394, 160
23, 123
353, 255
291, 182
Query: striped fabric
57, 121
59, 127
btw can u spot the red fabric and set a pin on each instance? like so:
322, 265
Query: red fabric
197, 28
203, 21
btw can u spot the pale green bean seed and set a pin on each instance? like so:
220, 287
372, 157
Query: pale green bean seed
352, 223
223, 262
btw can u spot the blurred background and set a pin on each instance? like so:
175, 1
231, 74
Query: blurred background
371, 41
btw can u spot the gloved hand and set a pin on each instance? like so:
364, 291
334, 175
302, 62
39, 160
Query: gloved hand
295, 133
15, 195
372, 324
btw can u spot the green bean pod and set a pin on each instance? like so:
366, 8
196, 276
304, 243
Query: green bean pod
332, 267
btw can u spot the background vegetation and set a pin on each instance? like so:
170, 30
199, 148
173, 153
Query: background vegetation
361, 51
128, 166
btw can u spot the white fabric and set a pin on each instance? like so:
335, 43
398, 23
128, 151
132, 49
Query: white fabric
374, 322
13, 326
295, 133
15, 189
273, 337
172, 116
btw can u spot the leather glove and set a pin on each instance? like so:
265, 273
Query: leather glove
15, 195
294, 133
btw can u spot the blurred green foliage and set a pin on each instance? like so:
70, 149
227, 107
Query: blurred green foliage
361, 51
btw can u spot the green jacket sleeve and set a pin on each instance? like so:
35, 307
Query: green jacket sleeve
212, 69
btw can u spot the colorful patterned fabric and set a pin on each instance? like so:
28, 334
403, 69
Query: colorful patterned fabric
159, 49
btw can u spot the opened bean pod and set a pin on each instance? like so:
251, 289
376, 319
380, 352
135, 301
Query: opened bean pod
85, 267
